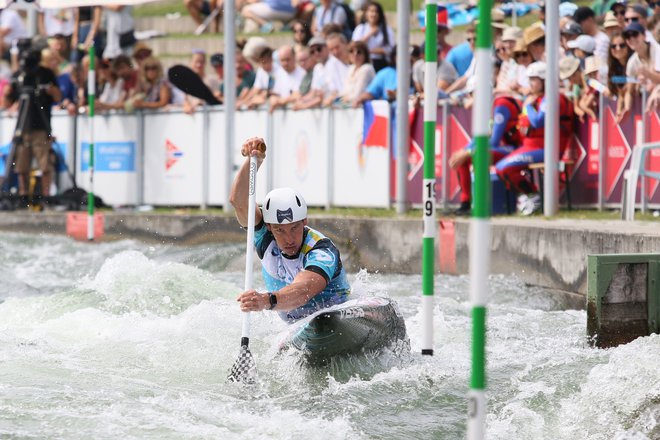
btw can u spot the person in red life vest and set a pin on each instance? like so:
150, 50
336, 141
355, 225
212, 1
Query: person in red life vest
504, 139
531, 126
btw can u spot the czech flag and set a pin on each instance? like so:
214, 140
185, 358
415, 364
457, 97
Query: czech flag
375, 132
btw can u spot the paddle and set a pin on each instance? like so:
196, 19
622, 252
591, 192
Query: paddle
207, 21
243, 369
189, 82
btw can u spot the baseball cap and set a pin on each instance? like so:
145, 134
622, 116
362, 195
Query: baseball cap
585, 43
623, 3
568, 66
634, 27
316, 41
217, 59
640, 9
567, 9
536, 70
572, 28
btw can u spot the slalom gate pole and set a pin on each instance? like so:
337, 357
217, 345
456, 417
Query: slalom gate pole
428, 198
480, 223
91, 90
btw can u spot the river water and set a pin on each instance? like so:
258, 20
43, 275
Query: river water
130, 340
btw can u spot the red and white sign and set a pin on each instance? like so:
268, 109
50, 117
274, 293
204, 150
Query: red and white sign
617, 153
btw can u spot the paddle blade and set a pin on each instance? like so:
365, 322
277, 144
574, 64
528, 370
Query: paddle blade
244, 369
184, 78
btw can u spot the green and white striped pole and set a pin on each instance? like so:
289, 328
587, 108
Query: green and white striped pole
430, 115
91, 90
480, 224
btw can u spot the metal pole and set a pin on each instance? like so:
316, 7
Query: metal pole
444, 190
551, 176
402, 123
601, 151
91, 90
480, 224
230, 92
205, 157
643, 179
428, 190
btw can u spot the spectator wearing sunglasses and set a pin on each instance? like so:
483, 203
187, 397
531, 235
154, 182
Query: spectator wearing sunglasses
534, 38
523, 59
638, 14
586, 18
643, 65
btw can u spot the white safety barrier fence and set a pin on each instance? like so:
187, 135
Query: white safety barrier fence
173, 159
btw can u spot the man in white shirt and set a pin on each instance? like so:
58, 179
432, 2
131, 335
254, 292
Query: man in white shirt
287, 78
586, 18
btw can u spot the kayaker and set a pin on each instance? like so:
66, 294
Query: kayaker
302, 268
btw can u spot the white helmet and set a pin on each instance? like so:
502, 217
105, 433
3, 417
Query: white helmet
536, 70
284, 205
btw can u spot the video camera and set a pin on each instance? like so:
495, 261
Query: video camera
29, 53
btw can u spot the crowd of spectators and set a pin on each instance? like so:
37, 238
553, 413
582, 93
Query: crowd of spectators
344, 55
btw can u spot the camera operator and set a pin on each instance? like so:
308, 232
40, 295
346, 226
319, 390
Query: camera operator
35, 89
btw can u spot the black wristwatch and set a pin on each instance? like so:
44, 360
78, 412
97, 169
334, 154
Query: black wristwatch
273, 300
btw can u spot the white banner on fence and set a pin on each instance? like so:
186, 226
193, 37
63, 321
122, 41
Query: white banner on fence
367, 165
300, 156
116, 158
173, 159
247, 124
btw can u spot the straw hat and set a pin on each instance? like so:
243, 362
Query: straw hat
533, 33
591, 64
140, 47
520, 46
610, 20
568, 66
512, 33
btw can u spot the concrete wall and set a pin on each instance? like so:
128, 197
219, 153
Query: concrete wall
541, 252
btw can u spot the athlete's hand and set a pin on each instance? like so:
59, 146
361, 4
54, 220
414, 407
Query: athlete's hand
253, 301
254, 146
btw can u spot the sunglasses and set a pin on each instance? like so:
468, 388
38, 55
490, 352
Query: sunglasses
520, 54
471, 39
618, 46
316, 49
619, 12
632, 19
629, 35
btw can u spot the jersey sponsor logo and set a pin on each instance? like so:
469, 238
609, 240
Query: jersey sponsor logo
323, 256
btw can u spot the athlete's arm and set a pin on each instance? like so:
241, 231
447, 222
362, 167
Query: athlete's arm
239, 196
501, 116
305, 286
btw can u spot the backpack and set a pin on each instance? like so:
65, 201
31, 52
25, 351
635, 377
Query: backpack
350, 24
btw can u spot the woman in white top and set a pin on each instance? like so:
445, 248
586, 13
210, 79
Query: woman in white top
378, 36
360, 72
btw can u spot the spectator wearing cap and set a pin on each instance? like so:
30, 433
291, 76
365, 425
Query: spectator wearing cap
286, 79
569, 32
638, 14
141, 51
378, 36
534, 38
461, 56
583, 46
611, 25
329, 73
618, 9
586, 18
571, 73
504, 51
